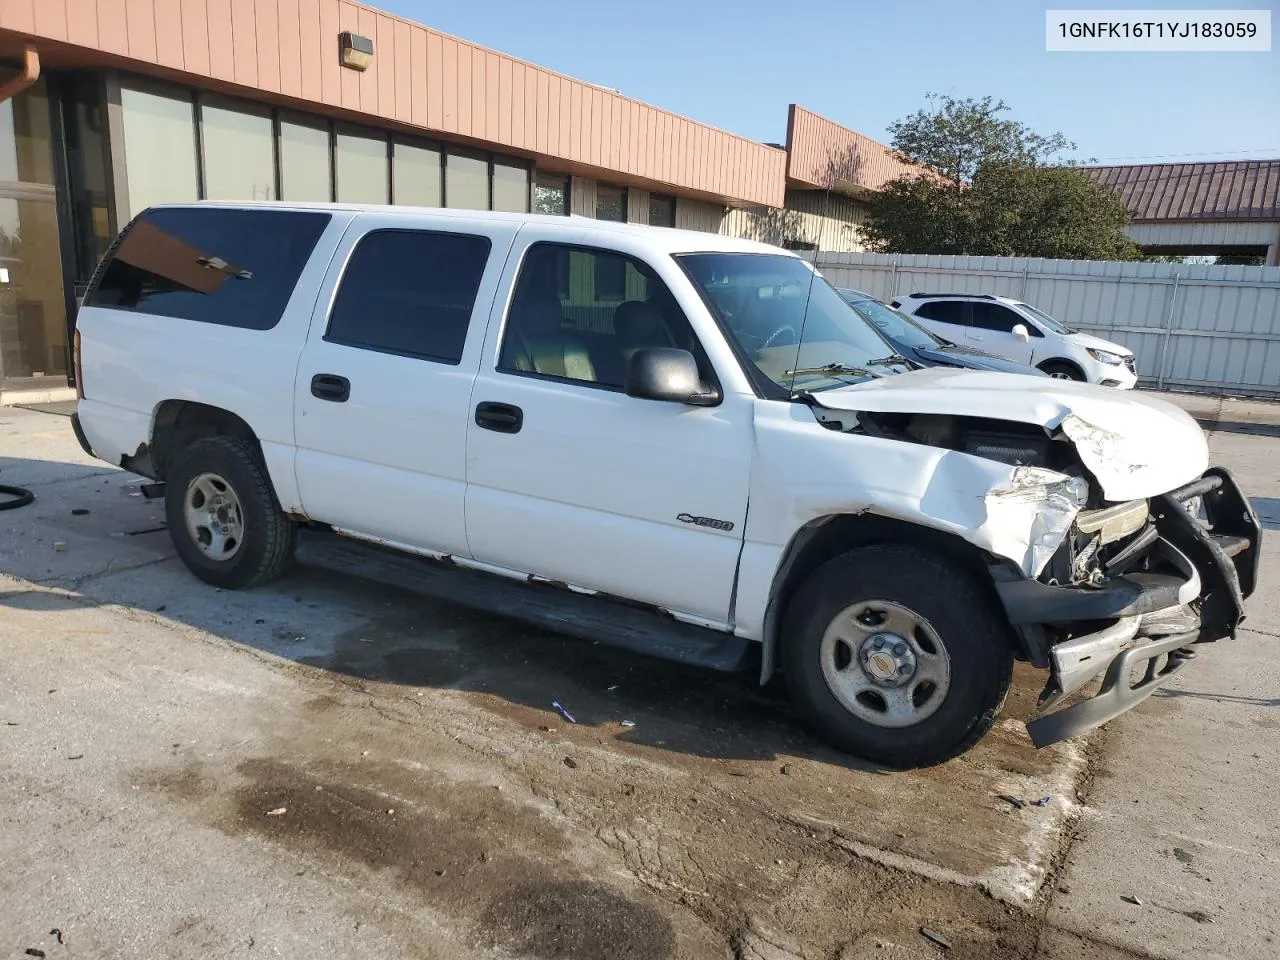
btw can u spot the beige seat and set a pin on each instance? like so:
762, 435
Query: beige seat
539, 343
638, 325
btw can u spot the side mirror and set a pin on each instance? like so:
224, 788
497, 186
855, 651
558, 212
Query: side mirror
1021, 332
669, 374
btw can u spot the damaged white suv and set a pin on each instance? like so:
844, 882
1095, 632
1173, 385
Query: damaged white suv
683, 444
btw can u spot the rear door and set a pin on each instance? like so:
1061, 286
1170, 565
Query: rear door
992, 330
385, 379
947, 318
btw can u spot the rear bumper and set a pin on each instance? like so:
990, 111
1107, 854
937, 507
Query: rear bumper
1137, 630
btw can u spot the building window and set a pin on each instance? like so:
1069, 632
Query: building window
551, 195
510, 186
360, 167
662, 210
239, 160
304, 161
611, 203
409, 292
159, 148
466, 181
416, 175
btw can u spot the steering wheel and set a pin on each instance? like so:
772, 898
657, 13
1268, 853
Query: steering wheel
768, 341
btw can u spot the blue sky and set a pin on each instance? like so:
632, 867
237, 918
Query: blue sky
736, 64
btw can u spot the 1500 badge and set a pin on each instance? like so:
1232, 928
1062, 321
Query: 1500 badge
711, 522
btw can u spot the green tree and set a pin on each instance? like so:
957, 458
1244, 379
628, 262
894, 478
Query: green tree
956, 138
985, 185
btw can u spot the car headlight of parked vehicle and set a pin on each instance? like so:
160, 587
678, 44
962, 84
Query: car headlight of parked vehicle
1102, 356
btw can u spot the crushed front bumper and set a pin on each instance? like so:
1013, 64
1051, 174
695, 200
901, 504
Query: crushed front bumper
1199, 571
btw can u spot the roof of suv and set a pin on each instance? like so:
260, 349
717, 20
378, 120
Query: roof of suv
667, 239
957, 296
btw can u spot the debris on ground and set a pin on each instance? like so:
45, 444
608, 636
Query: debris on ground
934, 937
628, 723
277, 812
1043, 801
34, 952
1134, 900
60, 546
79, 512
786, 770
57, 931
1013, 801
571, 763
78, 756
555, 705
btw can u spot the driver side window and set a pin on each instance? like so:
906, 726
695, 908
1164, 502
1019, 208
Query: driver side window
580, 313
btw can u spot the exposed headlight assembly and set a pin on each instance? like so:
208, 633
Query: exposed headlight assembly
1044, 504
1103, 356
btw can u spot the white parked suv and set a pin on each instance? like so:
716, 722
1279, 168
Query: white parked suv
1018, 331
679, 443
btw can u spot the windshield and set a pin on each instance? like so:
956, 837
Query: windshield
1047, 320
896, 326
787, 323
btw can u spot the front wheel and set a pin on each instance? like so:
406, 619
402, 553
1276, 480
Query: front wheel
1062, 371
225, 521
895, 655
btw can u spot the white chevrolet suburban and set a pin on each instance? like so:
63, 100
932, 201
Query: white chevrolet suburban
679, 443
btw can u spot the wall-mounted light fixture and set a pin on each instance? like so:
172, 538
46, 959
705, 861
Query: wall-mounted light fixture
357, 51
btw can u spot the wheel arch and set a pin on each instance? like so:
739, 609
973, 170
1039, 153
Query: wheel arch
177, 423
826, 538
1062, 362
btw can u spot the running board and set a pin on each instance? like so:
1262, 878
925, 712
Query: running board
634, 627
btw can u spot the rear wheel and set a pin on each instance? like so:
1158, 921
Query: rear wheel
225, 521
1061, 370
895, 655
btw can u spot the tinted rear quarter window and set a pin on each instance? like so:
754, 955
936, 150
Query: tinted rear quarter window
234, 268
945, 311
409, 292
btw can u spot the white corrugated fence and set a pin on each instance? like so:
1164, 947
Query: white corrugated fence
1211, 329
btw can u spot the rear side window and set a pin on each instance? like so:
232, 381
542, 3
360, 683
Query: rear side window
992, 316
945, 311
409, 292
235, 268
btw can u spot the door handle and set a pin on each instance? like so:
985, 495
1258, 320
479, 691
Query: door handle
499, 417
331, 387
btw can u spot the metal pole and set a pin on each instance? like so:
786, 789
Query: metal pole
1168, 330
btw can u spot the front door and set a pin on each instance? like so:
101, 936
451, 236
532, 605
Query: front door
991, 329
572, 480
385, 378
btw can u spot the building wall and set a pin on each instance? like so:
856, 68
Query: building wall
693, 215
828, 221
824, 154
419, 77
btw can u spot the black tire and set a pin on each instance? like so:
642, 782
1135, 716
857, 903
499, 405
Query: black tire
974, 639
1062, 370
269, 537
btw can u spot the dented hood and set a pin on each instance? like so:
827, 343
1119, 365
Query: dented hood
1136, 445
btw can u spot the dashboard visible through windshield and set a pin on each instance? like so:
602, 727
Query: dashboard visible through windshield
787, 323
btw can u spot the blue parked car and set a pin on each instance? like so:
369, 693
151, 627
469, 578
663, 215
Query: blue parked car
923, 346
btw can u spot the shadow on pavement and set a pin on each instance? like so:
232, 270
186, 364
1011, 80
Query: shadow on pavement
113, 551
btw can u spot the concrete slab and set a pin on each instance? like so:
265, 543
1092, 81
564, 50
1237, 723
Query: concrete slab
715, 807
